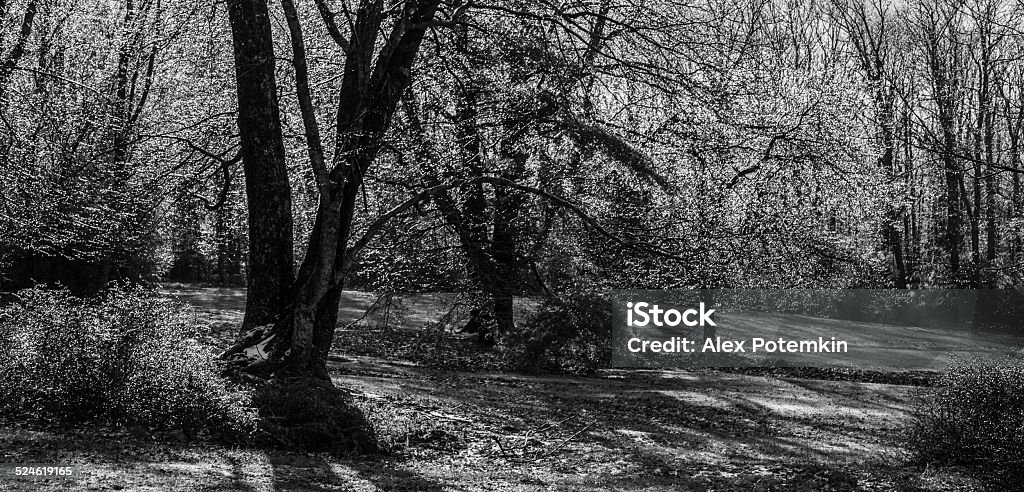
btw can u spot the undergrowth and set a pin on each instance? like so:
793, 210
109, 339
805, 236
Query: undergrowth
127, 358
974, 418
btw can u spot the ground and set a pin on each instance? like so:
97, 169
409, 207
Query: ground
455, 430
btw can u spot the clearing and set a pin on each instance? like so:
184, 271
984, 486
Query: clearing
629, 430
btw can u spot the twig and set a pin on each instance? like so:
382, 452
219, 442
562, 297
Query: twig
511, 456
366, 312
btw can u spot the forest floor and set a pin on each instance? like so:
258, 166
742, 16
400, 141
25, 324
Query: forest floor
452, 429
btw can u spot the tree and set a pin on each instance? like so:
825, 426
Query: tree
262, 154
868, 29
370, 90
938, 27
76, 197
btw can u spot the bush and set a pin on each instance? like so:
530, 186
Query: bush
126, 358
570, 333
974, 418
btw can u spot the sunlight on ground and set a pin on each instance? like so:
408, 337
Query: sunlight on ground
634, 430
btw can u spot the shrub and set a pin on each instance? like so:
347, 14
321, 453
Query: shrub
129, 357
569, 333
974, 417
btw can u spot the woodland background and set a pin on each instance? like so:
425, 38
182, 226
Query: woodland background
720, 143
493, 167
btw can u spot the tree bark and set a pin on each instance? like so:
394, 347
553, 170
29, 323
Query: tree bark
302, 333
269, 270
470, 222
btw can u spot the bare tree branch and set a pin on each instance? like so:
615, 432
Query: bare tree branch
592, 135
377, 226
19, 46
314, 145
332, 26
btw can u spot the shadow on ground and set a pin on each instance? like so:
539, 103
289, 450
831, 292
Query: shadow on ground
454, 430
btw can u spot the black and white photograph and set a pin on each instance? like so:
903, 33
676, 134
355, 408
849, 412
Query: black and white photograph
511, 245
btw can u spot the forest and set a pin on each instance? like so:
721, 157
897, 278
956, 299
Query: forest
253, 210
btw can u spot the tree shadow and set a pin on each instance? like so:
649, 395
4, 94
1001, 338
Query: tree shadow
669, 421
121, 461
388, 477
299, 472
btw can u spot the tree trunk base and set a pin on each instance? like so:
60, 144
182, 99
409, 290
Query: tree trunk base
480, 325
263, 352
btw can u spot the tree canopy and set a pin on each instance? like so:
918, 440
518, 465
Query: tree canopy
506, 148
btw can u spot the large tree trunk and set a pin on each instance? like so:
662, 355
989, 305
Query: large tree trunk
269, 270
488, 255
300, 338
503, 250
508, 203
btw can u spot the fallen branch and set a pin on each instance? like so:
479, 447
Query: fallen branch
550, 452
